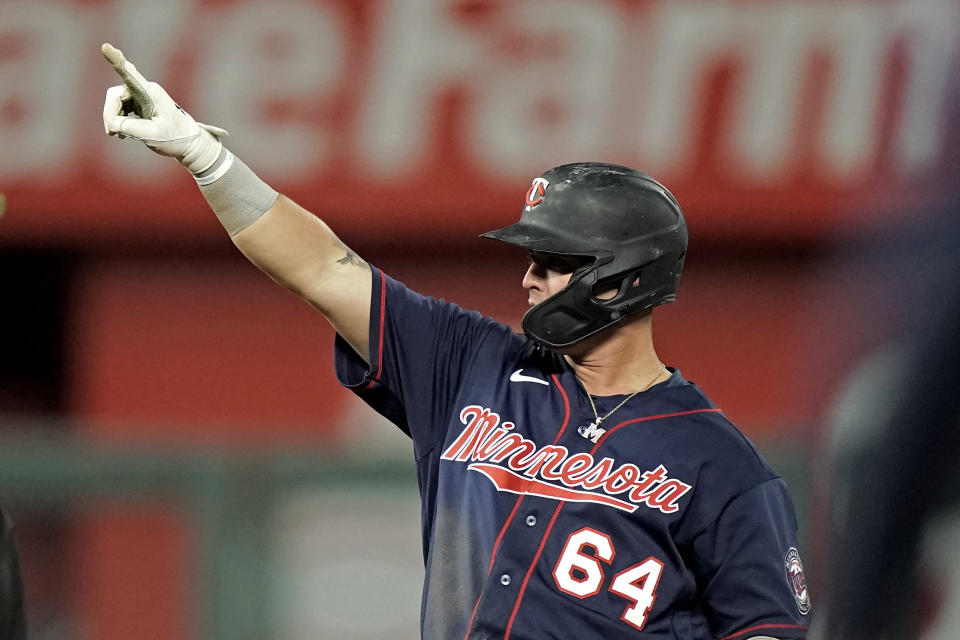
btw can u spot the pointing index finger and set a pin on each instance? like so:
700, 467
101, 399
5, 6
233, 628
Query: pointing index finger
142, 102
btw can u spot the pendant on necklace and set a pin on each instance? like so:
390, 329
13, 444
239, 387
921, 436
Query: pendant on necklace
591, 432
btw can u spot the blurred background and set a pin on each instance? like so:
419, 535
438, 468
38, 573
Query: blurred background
175, 453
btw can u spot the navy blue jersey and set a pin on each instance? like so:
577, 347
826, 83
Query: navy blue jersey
668, 524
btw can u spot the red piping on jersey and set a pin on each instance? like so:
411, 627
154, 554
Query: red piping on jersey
563, 426
496, 545
383, 306
566, 407
503, 530
556, 513
475, 607
526, 578
516, 507
764, 626
644, 419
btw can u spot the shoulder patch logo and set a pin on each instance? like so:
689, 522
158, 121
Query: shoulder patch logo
536, 192
796, 579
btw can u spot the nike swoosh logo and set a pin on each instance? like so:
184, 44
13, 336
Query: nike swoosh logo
516, 376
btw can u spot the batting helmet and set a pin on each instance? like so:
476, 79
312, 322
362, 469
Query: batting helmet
627, 227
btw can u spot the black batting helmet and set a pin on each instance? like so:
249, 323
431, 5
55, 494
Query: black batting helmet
627, 227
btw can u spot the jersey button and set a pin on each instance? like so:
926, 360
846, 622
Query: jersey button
531, 520
505, 579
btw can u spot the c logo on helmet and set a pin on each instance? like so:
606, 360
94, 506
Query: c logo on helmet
535, 194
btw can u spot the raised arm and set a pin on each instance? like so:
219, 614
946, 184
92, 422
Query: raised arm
299, 251
290, 244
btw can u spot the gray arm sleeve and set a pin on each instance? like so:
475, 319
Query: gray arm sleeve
235, 193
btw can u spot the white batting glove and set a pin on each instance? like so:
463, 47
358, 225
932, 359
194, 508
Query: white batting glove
143, 110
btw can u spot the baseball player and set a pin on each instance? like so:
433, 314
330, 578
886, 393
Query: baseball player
573, 485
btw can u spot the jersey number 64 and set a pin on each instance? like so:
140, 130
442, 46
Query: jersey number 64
581, 575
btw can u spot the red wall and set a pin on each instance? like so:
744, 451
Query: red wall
212, 349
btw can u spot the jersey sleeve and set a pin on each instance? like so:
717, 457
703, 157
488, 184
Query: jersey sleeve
420, 352
748, 568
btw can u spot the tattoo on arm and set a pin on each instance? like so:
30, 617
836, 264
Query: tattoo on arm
350, 257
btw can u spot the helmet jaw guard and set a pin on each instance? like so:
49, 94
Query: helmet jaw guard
575, 313
630, 227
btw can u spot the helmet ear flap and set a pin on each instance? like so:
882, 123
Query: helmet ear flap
638, 288
620, 285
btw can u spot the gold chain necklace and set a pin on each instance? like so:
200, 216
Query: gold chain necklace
592, 431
